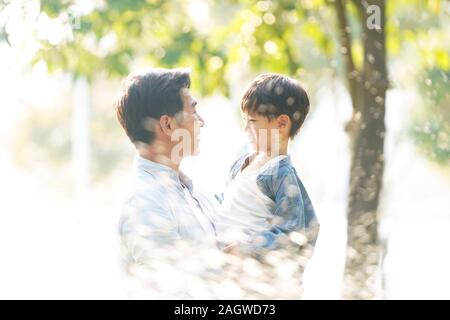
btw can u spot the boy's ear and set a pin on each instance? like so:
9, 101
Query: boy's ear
283, 121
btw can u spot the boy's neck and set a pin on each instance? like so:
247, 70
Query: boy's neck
274, 152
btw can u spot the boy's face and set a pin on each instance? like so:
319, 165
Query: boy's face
263, 133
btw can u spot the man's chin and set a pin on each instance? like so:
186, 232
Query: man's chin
194, 152
196, 148
253, 145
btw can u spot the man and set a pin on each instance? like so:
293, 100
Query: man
159, 115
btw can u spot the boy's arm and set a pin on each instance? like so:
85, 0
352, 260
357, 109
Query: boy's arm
289, 214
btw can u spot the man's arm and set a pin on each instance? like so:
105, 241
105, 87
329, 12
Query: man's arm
146, 224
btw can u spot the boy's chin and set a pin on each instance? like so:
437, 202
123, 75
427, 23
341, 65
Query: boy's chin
258, 148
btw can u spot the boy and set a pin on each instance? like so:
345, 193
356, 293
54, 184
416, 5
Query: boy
265, 199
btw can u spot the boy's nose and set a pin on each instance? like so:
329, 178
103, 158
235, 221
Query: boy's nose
200, 121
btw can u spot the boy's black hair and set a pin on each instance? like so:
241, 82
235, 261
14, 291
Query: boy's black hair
271, 95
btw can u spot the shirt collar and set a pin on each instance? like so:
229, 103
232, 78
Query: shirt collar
284, 159
151, 166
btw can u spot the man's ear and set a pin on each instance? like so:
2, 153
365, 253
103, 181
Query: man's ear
166, 125
283, 121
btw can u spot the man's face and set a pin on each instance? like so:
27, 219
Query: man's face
261, 131
190, 122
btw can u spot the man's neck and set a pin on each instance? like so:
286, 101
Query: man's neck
160, 153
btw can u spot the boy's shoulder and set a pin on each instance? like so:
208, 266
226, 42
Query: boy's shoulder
281, 177
279, 168
275, 170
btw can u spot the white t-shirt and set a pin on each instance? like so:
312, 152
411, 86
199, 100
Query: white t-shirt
245, 211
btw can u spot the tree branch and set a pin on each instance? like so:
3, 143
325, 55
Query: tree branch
352, 74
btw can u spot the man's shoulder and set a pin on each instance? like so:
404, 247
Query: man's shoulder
146, 180
146, 190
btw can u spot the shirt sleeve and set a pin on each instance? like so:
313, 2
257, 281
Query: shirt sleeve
289, 215
146, 224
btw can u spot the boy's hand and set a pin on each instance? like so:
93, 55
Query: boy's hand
232, 249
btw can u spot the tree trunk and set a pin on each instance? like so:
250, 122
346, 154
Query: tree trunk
363, 252
352, 74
